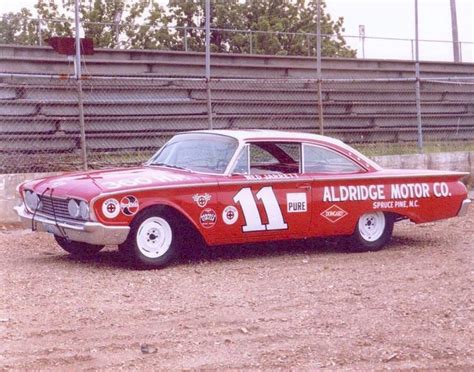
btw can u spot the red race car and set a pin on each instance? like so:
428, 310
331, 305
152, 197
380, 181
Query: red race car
237, 187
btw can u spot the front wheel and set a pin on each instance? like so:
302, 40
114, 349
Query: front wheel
372, 232
78, 249
152, 241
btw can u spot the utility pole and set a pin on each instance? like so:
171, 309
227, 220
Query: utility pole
208, 62
417, 83
362, 38
318, 69
454, 29
77, 37
117, 19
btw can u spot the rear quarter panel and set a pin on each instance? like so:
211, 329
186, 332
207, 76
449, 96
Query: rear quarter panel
420, 197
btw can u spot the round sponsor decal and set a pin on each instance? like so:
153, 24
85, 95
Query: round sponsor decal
208, 218
230, 215
111, 208
129, 205
201, 199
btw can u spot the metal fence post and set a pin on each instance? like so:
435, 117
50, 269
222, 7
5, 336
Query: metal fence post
454, 30
185, 39
318, 67
208, 62
117, 35
79, 89
417, 83
251, 42
82, 123
40, 36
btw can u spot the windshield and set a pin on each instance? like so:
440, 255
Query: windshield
197, 152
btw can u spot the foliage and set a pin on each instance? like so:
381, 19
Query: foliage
264, 26
18, 28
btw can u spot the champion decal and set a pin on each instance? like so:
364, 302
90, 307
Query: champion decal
111, 208
201, 199
230, 214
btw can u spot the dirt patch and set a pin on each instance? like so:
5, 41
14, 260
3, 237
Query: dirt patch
266, 306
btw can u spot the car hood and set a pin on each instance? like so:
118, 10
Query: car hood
87, 185
125, 179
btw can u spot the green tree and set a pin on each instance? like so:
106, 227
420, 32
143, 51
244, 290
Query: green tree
265, 26
52, 19
229, 16
144, 23
188, 18
273, 27
98, 19
153, 32
18, 28
333, 43
289, 27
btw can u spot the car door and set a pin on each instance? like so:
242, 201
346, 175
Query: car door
329, 170
266, 197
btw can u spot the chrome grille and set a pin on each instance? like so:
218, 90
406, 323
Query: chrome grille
60, 207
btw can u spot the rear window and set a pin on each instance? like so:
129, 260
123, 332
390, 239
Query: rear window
319, 159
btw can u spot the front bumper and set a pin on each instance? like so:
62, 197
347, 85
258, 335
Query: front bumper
464, 207
86, 232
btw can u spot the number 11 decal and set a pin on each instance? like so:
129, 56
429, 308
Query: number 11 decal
253, 221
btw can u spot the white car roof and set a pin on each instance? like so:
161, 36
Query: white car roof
246, 134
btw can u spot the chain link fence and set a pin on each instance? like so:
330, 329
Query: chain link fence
254, 42
127, 119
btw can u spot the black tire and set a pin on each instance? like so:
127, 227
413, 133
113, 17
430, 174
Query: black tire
372, 232
154, 239
78, 249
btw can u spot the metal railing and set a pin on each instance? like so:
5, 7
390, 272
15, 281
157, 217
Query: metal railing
367, 46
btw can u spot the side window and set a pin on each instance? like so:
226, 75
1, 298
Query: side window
242, 165
274, 157
269, 158
261, 156
293, 150
322, 160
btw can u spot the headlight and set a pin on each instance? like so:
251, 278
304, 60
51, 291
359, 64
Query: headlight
32, 200
84, 210
73, 208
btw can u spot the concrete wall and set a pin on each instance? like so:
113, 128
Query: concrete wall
461, 161
456, 161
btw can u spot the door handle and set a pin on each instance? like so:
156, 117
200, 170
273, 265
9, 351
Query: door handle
305, 187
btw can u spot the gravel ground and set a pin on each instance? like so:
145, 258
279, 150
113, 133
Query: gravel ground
262, 306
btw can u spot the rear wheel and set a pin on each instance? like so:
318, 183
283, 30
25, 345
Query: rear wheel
78, 249
372, 232
152, 241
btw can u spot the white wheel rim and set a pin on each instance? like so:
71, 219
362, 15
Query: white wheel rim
372, 226
154, 237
